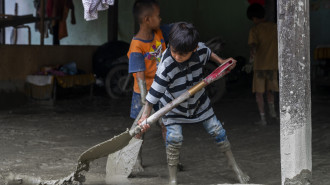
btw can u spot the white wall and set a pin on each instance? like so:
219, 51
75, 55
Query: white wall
82, 33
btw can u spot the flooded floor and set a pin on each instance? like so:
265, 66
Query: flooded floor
45, 141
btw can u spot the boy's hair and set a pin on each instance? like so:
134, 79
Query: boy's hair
183, 37
143, 8
255, 10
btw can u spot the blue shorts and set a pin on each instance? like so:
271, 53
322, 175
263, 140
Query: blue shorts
212, 126
136, 105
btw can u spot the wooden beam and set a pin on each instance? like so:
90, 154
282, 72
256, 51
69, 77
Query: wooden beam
295, 91
10, 20
16, 20
113, 22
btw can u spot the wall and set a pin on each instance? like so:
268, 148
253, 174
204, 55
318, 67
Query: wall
18, 61
82, 33
125, 20
319, 24
226, 19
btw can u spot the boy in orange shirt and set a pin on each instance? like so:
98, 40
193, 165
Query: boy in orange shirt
144, 55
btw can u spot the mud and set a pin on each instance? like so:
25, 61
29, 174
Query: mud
45, 142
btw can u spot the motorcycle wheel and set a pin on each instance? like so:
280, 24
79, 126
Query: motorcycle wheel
115, 82
217, 89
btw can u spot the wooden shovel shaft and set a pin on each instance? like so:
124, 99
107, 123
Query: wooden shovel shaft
215, 75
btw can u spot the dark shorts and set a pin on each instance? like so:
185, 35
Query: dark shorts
265, 80
136, 105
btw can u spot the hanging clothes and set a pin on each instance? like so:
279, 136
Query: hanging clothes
59, 9
37, 6
91, 8
62, 30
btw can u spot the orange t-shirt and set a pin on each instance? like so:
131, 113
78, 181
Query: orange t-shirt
144, 55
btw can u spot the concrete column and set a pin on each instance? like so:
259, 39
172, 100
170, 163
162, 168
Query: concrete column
295, 91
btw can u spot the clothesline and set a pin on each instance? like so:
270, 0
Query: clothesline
91, 8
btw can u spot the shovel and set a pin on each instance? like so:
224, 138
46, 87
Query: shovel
120, 141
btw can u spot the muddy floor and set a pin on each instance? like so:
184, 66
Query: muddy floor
45, 141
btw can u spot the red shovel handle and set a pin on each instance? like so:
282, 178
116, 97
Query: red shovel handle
218, 72
215, 75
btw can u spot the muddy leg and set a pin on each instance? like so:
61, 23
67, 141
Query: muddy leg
271, 106
163, 129
260, 103
224, 147
173, 154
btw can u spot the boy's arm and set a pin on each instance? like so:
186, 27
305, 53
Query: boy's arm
214, 57
156, 91
252, 42
146, 113
137, 65
142, 85
253, 48
166, 28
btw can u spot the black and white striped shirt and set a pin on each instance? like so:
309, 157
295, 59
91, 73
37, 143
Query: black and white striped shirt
173, 78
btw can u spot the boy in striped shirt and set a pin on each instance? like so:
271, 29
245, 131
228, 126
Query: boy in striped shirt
179, 70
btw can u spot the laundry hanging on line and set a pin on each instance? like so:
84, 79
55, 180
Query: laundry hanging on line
91, 8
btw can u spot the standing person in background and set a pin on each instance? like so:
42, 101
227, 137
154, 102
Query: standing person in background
263, 53
144, 55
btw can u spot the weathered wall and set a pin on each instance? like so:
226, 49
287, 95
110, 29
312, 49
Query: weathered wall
17, 61
125, 20
226, 19
320, 24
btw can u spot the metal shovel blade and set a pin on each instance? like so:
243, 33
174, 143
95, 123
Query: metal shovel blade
105, 148
121, 162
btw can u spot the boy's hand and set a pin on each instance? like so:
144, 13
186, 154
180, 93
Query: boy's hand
144, 127
231, 59
214, 57
145, 115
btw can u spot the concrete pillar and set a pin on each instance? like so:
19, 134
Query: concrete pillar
295, 91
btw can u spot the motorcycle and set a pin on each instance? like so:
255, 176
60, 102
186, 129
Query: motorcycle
110, 65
